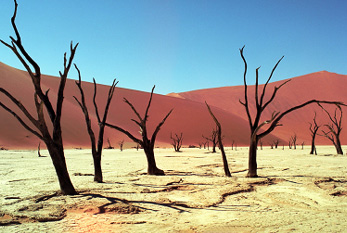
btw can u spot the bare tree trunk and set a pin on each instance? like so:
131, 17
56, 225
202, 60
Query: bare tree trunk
313, 146
220, 142
97, 167
152, 166
58, 159
252, 159
338, 146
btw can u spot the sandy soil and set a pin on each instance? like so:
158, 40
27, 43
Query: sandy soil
295, 192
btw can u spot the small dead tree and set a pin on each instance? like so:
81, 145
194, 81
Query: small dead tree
213, 138
146, 143
96, 146
110, 147
314, 127
255, 123
177, 141
220, 142
205, 144
271, 145
302, 145
334, 128
276, 142
200, 144
261, 144
121, 144
232, 144
49, 131
38, 150
293, 140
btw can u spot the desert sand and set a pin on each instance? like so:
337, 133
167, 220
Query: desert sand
296, 192
190, 115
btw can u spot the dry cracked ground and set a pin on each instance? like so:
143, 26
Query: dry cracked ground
296, 192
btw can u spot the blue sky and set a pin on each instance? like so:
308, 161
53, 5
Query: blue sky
180, 45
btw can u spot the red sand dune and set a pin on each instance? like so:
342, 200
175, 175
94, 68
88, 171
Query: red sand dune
190, 115
320, 85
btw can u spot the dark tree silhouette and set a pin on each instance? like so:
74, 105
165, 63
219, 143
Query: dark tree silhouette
314, 129
220, 142
121, 144
205, 144
96, 146
213, 138
232, 144
334, 128
261, 144
260, 105
177, 141
146, 143
51, 134
38, 150
200, 144
276, 142
293, 140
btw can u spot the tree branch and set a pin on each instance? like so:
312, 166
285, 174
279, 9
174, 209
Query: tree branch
279, 117
154, 135
21, 121
125, 132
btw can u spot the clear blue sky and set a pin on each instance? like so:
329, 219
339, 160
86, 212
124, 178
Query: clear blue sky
180, 45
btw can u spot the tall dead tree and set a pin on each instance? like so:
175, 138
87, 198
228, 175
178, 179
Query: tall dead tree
96, 146
146, 143
334, 128
220, 142
314, 129
213, 138
50, 130
177, 141
260, 105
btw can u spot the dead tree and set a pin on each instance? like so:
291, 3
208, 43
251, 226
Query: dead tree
261, 144
38, 150
255, 123
302, 145
290, 143
220, 142
96, 146
232, 144
276, 142
334, 128
109, 144
49, 130
271, 145
213, 138
177, 141
121, 144
200, 144
314, 129
205, 144
146, 143
293, 140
